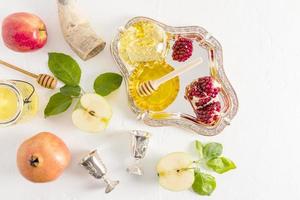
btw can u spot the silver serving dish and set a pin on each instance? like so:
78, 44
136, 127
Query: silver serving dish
180, 112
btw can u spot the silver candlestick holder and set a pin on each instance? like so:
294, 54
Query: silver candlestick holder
139, 145
94, 165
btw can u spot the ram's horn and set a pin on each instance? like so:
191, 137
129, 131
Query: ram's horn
77, 30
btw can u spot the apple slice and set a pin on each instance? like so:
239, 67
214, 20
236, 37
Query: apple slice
93, 113
175, 171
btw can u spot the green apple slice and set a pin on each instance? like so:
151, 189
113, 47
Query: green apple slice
93, 114
175, 171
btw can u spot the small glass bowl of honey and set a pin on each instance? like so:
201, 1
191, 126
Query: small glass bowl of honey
18, 102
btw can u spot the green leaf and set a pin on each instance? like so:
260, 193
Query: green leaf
221, 164
107, 83
73, 91
58, 103
65, 68
212, 150
204, 184
199, 148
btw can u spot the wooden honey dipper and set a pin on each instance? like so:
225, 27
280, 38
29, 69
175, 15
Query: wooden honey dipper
44, 80
148, 87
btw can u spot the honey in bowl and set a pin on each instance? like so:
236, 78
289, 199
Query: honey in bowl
9, 103
31, 107
18, 102
163, 96
143, 41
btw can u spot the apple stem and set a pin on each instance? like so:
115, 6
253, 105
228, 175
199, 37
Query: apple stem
42, 29
34, 161
92, 113
197, 161
184, 169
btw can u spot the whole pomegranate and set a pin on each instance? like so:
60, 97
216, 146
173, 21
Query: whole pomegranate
43, 157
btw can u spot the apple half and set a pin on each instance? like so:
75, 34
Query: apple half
92, 114
176, 171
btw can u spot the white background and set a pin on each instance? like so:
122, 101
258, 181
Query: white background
260, 39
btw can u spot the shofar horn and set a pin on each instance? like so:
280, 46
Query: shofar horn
77, 30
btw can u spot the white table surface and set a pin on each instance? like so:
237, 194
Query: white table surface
260, 39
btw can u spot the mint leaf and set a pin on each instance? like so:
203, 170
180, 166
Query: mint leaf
107, 83
221, 164
212, 150
73, 91
58, 103
199, 148
65, 68
204, 184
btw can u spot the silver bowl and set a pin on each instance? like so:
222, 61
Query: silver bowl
180, 112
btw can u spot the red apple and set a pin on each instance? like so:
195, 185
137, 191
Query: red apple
24, 32
43, 157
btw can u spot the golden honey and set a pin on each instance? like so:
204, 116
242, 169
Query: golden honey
8, 103
160, 115
31, 107
18, 102
163, 96
144, 41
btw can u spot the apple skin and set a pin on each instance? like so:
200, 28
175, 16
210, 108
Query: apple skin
52, 154
23, 32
